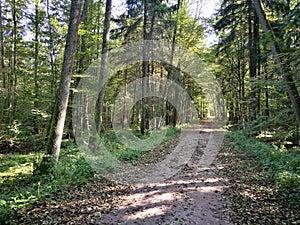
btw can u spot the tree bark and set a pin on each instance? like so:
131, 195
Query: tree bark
252, 64
2, 67
103, 66
36, 61
288, 79
124, 114
59, 116
145, 68
256, 39
14, 61
36, 53
171, 113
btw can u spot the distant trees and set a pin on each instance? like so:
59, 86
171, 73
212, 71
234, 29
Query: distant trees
287, 77
30, 47
11, 56
254, 62
155, 20
45, 50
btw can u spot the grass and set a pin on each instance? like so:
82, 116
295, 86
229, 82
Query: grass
20, 188
283, 164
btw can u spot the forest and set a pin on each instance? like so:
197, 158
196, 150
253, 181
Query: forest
98, 96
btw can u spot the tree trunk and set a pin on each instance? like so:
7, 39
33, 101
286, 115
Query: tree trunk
267, 110
252, 64
14, 61
256, 39
59, 116
124, 113
2, 50
36, 58
2, 68
171, 114
145, 68
104, 56
288, 79
51, 50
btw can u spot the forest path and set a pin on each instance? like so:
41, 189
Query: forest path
192, 196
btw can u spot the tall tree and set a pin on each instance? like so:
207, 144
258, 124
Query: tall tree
171, 113
2, 66
59, 116
104, 56
37, 24
145, 68
288, 79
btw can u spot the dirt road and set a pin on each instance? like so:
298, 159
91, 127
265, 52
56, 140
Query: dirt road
192, 196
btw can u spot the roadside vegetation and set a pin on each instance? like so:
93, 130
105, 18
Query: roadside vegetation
263, 181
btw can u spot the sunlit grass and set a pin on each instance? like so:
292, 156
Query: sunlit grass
20, 188
16, 166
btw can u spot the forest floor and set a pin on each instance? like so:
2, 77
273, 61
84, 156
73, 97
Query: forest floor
232, 190
192, 196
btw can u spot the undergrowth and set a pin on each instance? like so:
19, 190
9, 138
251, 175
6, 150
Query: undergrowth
148, 142
283, 164
20, 188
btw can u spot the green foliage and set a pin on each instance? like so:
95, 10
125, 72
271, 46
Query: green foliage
72, 167
282, 164
171, 133
127, 154
288, 180
255, 93
20, 188
279, 127
121, 152
18, 139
